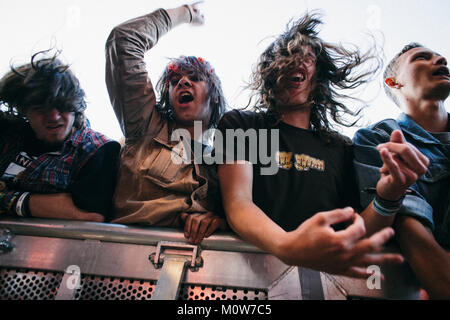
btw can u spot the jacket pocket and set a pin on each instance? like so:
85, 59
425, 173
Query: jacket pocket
166, 168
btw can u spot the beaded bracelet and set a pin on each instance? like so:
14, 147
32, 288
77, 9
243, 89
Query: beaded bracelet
16, 203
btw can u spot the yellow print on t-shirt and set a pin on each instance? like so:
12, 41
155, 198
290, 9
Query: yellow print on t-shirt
285, 160
304, 162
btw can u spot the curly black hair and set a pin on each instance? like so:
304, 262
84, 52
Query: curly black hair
336, 68
45, 82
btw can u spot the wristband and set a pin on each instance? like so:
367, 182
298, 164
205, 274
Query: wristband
190, 13
26, 207
20, 204
387, 208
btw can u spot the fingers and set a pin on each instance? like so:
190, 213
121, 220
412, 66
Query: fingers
197, 227
330, 218
397, 137
409, 154
217, 223
200, 226
184, 216
92, 217
196, 3
198, 18
380, 259
374, 243
355, 272
390, 165
187, 225
354, 232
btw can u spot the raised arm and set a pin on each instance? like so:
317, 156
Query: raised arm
131, 92
387, 168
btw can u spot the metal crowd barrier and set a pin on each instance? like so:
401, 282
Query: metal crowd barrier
65, 260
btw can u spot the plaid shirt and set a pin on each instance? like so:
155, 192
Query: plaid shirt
50, 172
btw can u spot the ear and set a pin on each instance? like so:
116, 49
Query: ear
391, 83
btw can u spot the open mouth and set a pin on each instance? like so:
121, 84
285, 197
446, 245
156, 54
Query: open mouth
297, 78
186, 97
443, 71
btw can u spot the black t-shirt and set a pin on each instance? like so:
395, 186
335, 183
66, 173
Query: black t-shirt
313, 175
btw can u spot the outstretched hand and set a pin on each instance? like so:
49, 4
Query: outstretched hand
316, 245
198, 19
403, 165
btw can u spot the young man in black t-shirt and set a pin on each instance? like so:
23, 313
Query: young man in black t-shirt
52, 165
294, 213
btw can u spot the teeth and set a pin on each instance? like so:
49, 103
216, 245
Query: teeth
298, 78
186, 97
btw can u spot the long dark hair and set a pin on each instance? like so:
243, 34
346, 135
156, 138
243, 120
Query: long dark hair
45, 82
203, 70
335, 69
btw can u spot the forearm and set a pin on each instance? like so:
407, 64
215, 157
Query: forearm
253, 225
430, 262
375, 222
179, 15
131, 92
59, 206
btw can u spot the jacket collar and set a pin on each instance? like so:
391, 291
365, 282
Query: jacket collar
411, 128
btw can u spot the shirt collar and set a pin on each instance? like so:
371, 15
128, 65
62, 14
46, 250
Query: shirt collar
77, 137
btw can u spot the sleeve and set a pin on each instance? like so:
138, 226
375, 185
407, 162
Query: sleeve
130, 89
367, 162
231, 142
95, 185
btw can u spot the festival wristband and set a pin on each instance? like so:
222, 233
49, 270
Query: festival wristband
190, 12
20, 207
387, 208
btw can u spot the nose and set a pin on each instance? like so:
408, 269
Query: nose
440, 60
53, 115
185, 82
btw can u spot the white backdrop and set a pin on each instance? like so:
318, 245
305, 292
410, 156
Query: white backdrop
235, 33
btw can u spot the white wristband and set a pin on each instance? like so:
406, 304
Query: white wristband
20, 204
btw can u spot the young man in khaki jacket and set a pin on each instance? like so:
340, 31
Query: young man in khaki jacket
154, 188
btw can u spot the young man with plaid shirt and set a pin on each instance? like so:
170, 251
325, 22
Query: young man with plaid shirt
52, 165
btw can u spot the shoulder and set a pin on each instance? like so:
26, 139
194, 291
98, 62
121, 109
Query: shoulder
377, 133
242, 119
90, 141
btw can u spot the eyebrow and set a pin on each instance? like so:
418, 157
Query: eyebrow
427, 52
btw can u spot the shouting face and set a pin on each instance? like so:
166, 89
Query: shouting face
298, 84
189, 98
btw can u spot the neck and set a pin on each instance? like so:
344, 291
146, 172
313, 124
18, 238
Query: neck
299, 118
195, 131
430, 115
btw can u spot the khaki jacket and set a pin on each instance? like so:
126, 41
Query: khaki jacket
151, 188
